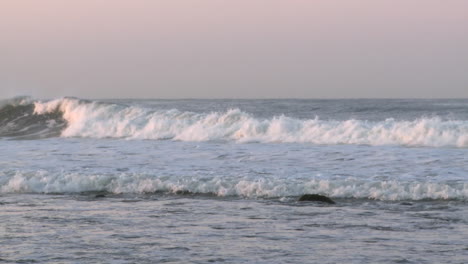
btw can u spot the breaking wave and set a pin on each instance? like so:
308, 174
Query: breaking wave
18, 120
46, 182
70, 117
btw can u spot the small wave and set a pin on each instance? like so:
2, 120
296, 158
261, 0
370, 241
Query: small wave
46, 182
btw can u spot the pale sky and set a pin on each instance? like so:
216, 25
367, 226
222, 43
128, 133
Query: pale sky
234, 49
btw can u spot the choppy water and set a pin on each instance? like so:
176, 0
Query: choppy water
196, 181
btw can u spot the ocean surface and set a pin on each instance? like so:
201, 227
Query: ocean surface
219, 181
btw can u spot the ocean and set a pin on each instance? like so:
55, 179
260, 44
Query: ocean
219, 181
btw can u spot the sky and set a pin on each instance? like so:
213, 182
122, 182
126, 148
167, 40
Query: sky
234, 49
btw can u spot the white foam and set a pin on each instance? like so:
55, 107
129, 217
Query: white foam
97, 120
45, 182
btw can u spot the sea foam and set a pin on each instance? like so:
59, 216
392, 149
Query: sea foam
46, 182
105, 120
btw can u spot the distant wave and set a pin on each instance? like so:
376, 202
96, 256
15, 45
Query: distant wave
71, 117
47, 182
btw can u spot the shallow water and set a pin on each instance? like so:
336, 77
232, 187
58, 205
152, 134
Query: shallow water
73, 165
190, 181
191, 229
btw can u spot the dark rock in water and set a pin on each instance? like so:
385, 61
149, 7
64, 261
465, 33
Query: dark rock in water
406, 203
184, 192
100, 195
316, 198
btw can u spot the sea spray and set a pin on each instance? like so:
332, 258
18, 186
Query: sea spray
106, 120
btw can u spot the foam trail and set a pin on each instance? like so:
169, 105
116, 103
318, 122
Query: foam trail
46, 182
99, 120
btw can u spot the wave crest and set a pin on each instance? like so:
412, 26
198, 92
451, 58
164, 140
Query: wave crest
102, 120
18, 120
46, 182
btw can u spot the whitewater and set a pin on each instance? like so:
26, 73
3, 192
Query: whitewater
148, 181
106, 120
